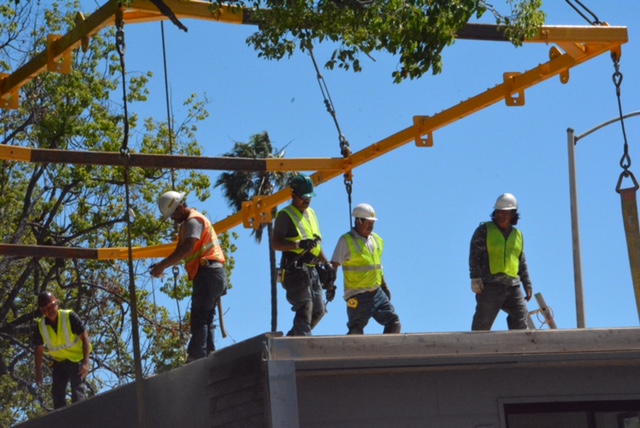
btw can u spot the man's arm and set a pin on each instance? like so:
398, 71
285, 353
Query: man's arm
86, 350
280, 230
523, 273
183, 249
39, 354
477, 252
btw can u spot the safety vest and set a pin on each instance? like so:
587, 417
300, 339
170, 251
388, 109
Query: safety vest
307, 229
62, 344
207, 247
364, 269
504, 254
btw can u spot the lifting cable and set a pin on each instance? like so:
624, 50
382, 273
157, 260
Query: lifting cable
595, 20
345, 150
628, 196
124, 152
174, 269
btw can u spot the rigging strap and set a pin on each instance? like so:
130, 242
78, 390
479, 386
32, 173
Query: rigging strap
625, 160
124, 151
345, 150
175, 270
628, 197
595, 20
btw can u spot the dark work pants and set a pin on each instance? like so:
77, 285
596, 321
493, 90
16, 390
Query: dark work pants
63, 372
495, 297
308, 305
208, 286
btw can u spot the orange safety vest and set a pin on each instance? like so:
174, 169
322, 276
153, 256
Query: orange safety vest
207, 247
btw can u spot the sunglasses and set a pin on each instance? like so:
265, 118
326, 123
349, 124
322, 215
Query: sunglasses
305, 199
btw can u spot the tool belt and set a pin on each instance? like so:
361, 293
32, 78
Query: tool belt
210, 263
296, 278
292, 260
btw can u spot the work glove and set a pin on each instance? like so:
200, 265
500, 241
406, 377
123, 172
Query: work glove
330, 273
307, 244
386, 290
331, 293
476, 285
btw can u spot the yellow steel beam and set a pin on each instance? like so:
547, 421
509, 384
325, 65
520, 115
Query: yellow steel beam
579, 43
145, 11
57, 48
26, 154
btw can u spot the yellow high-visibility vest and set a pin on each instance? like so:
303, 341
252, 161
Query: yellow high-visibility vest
504, 254
364, 269
62, 344
307, 229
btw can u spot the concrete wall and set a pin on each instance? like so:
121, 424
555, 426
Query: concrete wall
189, 396
438, 380
470, 397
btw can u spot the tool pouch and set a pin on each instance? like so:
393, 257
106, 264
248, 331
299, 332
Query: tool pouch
296, 278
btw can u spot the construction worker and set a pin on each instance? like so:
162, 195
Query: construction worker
497, 266
62, 335
198, 246
297, 234
359, 251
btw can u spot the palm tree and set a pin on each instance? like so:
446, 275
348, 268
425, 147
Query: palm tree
241, 186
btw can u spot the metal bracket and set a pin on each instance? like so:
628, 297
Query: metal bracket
418, 122
9, 102
255, 212
554, 53
512, 98
57, 63
85, 40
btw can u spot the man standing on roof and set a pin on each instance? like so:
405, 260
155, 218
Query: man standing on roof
62, 335
198, 246
297, 234
359, 251
497, 266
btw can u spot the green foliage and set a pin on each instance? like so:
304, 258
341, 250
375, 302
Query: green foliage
85, 206
416, 31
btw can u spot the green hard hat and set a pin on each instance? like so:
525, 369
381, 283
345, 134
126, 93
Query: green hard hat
302, 186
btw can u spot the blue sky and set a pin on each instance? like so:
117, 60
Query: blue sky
429, 200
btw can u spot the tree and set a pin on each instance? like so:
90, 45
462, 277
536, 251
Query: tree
416, 31
83, 206
240, 186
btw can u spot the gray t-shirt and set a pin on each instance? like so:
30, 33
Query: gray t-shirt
193, 228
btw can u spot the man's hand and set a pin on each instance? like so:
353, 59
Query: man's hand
331, 293
529, 293
386, 290
156, 270
477, 286
83, 371
307, 244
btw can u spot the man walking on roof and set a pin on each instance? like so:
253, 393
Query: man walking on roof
497, 266
62, 335
198, 246
359, 251
297, 234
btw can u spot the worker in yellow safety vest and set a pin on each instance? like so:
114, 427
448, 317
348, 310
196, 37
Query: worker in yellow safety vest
359, 251
200, 249
297, 234
497, 266
62, 335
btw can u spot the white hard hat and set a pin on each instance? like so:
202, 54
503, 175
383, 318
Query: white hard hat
364, 211
506, 201
168, 202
